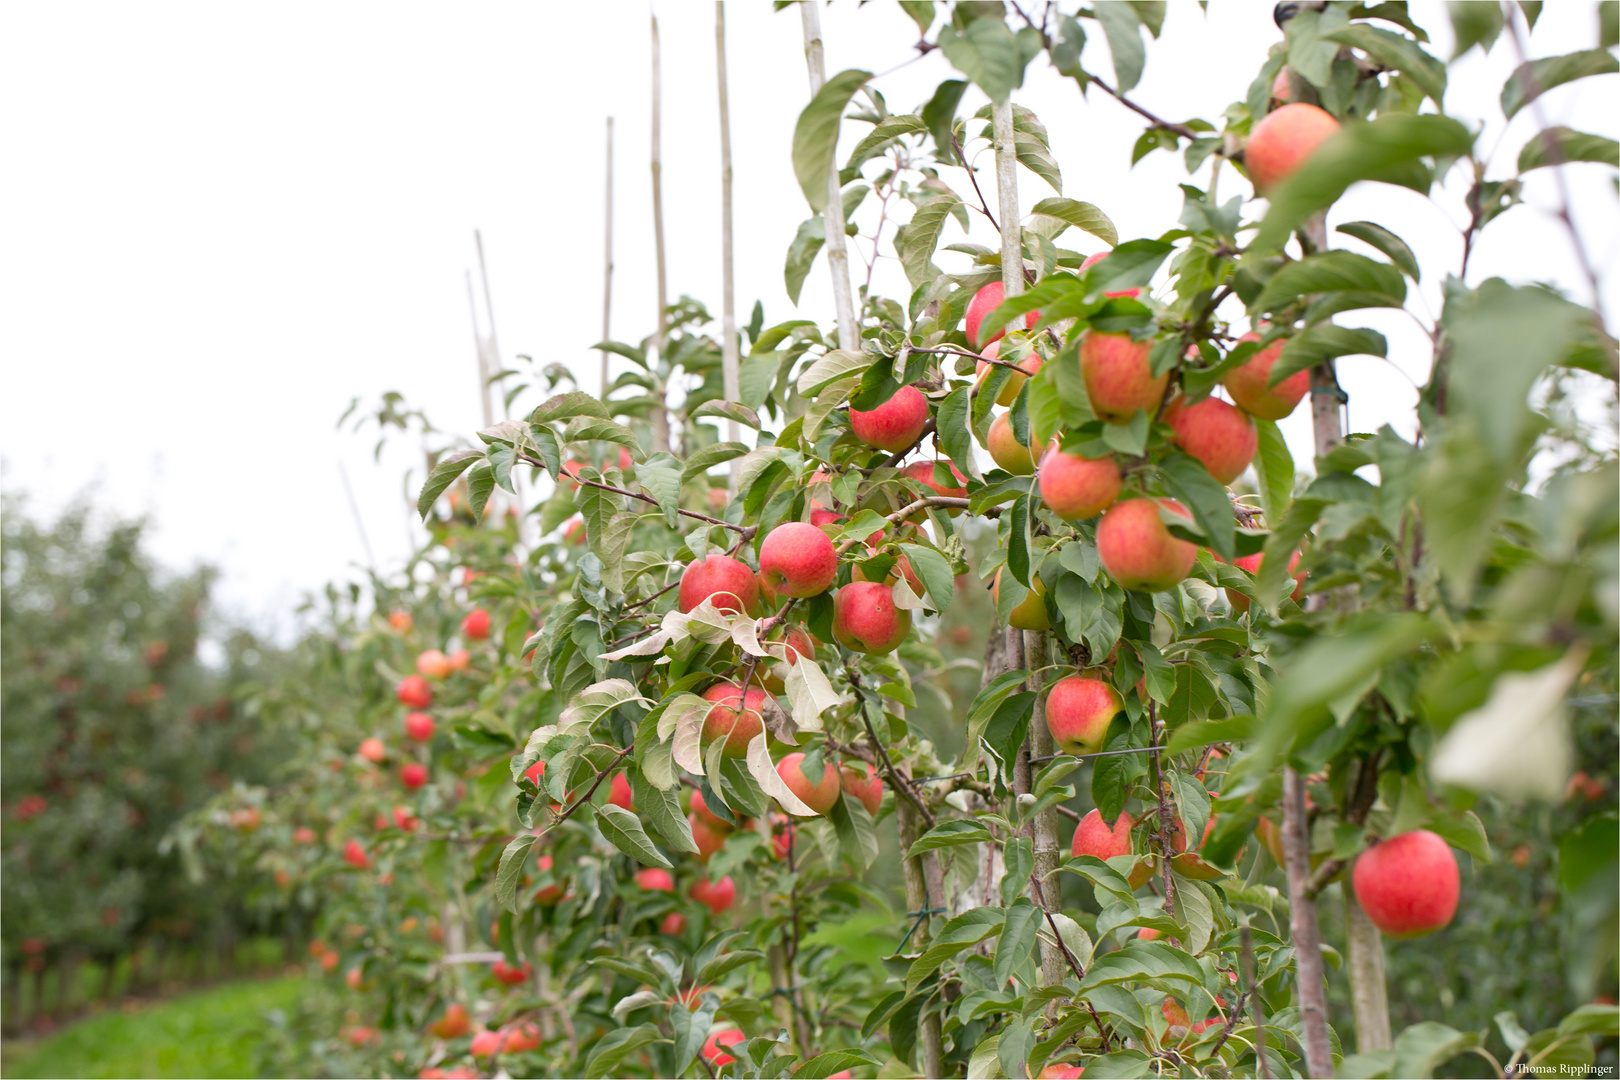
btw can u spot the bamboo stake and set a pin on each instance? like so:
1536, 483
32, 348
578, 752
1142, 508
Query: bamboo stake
728, 306
1369, 994
659, 416
849, 334
1012, 248
494, 361
483, 360
607, 258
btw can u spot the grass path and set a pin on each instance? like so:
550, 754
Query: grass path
206, 1033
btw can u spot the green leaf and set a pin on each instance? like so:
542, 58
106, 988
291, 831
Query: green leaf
1376, 150
710, 456
623, 830
1081, 215
922, 237
572, 404
1274, 466
837, 366
1017, 941
731, 410
955, 431
691, 1028
1323, 342
833, 1061
480, 485
1387, 242
1036, 156
1473, 24
1198, 733
934, 572
1552, 71
1570, 146
663, 483
1120, 1065
1424, 1047
1018, 539
881, 135
443, 475
1392, 50
1123, 28
616, 1046
815, 136
1130, 265
922, 13
1602, 1021
1329, 271
987, 53
801, 254
662, 810
1191, 484
949, 834
940, 116
510, 871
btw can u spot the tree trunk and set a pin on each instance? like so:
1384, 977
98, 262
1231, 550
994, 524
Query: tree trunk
1037, 651
1304, 929
832, 216
1369, 1000
924, 891
728, 308
658, 417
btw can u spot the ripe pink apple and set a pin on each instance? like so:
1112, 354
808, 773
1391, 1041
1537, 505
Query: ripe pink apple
797, 559
1283, 141
655, 879
1009, 390
1099, 257
723, 722
1030, 612
923, 473
730, 581
405, 820
546, 894
1408, 884
400, 621
535, 773
1219, 435
798, 644
303, 835
1187, 864
476, 624
1119, 379
674, 924
983, 303
413, 691
520, 1038
373, 751
485, 1043
574, 531
1078, 711
819, 796
432, 664
619, 792
460, 659
710, 819
713, 1051
708, 839
866, 620
717, 895
1075, 487
894, 425
1006, 450
1251, 563
1248, 383
863, 782
413, 775
510, 974
418, 726
1062, 1072
354, 853
1138, 551
1282, 87
1093, 836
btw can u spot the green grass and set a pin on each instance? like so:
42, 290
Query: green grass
207, 1033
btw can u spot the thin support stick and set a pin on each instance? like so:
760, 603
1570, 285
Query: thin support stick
494, 362
659, 416
360, 525
607, 258
481, 354
832, 216
728, 303
1012, 247
1304, 928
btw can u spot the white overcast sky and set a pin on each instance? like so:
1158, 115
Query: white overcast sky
223, 222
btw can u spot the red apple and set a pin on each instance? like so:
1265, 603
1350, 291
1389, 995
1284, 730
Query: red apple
400, 621
730, 582
535, 773
717, 895
355, 855
546, 894
707, 838
355, 978
819, 796
1282, 87
1219, 435
1074, 487
866, 620
1093, 836
700, 809
1009, 390
521, 1037
1078, 712
712, 1047
863, 782
1006, 450
405, 820
460, 659
1138, 551
923, 473
896, 424
303, 835
619, 791
1061, 1072
413, 775
511, 974
432, 664
723, 721
1249, 383
418, 726
654, 879
797, 559
1119, 379
1030, 612
1283, 141
983, 303
574, 530
1408, 884
414, 692
373, 751
674, 924
476, 624
1251, 563
1092, 260
453, 1024
485, 1043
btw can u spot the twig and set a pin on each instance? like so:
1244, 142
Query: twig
746, 530
568, 811
1157, 121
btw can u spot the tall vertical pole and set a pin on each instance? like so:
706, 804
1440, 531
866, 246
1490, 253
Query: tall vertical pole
659, 417
849, 331
728, 304
494, 361
482, 355
607, 258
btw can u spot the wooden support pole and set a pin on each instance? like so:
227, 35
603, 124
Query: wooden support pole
728, 303
832, 216
658, 417
607, 257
